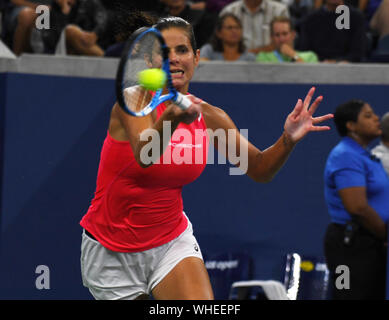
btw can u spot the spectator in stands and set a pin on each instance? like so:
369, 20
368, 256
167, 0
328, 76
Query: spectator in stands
380, 20
19, 19
111, 7
214, 6
125, 27
367, 7
283, 36
358, 4
256, 16
226, 43
298, 9
201, 20
83, 23
382, 150
198, 4
357, 192
319, 32
144, 13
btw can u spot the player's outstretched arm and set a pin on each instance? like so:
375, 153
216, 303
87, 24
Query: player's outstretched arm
262, 166
301, 121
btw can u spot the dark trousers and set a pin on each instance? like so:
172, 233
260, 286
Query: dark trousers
365, 257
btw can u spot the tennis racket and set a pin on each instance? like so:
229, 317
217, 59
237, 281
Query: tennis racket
145, 49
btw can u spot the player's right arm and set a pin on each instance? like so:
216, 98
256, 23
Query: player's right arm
124, 127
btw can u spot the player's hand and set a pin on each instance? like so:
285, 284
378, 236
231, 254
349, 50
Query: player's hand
189, 115
301, 121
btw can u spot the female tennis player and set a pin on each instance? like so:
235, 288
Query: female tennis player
137, 240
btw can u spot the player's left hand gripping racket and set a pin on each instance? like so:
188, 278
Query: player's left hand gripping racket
145, 49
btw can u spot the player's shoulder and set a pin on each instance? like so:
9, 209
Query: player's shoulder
216, 117
209, 110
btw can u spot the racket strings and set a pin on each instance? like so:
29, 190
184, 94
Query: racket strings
137, 97
145, 53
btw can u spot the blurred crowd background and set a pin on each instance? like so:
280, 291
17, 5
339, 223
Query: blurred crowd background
263, 31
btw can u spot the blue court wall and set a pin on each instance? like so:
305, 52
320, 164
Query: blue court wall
52, 129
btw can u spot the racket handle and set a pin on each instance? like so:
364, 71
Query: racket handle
182, 101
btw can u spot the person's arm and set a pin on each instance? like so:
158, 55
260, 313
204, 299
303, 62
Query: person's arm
129, 128
290, 52
362, 4
262, 166
25, 3
66, 6
355, 202
317, 3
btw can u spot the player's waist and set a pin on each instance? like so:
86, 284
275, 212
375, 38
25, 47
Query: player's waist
135, 216
135, 238
148, 216
90, 235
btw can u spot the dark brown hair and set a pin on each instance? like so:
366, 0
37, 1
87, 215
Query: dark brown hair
216, 42
177, 22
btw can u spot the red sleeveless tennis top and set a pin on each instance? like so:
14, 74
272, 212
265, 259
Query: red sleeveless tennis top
136, 209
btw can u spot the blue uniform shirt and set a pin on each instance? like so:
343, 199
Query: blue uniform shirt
350, 165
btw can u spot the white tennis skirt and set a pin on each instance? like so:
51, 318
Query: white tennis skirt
111, 275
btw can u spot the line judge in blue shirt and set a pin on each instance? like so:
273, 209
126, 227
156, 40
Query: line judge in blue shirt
357, 195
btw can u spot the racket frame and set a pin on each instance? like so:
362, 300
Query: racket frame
181, 100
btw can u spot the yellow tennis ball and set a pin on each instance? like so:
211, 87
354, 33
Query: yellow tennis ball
152, 79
